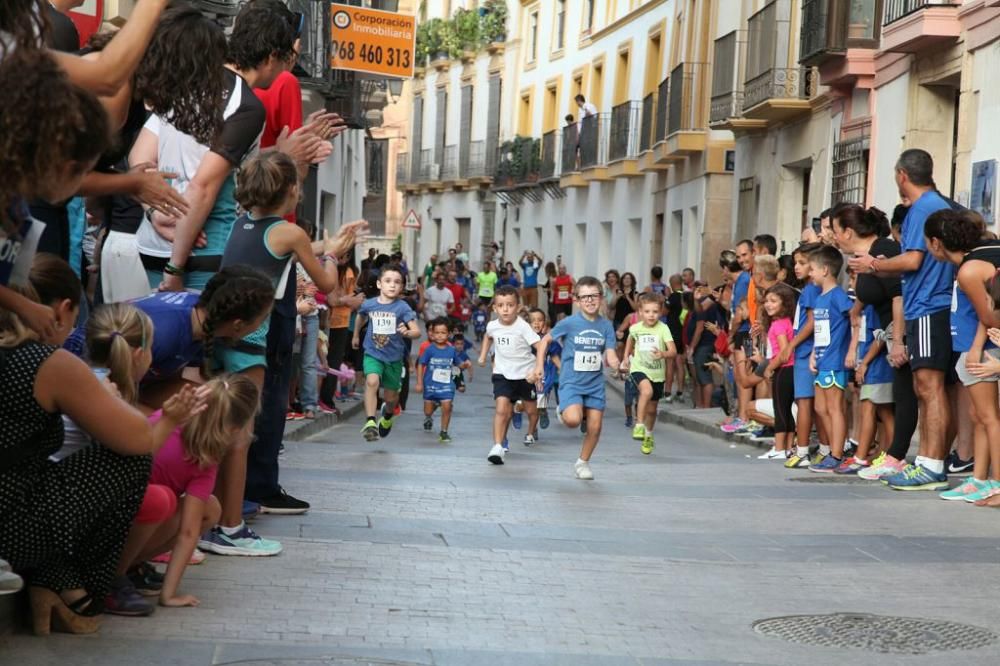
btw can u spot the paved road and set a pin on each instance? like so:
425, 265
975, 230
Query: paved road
418, 552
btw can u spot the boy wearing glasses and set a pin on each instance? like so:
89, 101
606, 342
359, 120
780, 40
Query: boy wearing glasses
588, 341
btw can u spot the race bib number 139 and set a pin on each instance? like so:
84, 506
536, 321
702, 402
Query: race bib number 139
383, 323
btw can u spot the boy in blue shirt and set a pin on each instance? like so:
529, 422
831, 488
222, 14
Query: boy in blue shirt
588, 340
831, 338
390, 319
434, 378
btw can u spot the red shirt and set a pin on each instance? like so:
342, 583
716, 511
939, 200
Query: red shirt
283, 106
458, 291
562, 289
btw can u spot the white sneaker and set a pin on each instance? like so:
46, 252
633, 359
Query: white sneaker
669, 398
582, 470
772, 454
528, 440
496, 454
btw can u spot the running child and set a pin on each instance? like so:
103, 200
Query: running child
434, 376
550, 378
390, 321
650, 346
588, 340
458, 342
479, 320
831, 337
779, 306
514, 373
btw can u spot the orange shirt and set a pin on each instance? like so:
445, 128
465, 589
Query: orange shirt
340, 315
752, 301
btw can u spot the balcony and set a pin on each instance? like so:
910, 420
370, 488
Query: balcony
449, 170
840, 37
570, 172
773, 90
519, 163
648, 122
474, 168
726, 107
551, 155
662, 100
910, 26
595, 133
623, 139
430, 171
686, 133
403, 173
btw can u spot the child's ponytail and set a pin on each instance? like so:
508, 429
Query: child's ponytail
114, 332
235, 292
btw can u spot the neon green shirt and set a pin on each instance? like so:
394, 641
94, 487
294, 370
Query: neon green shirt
646, 339
487, 284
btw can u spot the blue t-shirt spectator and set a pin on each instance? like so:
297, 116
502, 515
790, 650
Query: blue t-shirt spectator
832, 329
174, 347
382, 339
584, 343
879, 371
807, 301
928, 289
529, 269
740, 290
438, 362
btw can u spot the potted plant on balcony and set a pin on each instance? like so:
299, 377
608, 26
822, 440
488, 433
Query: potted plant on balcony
506, 165
535, 168
423, 45
437, 51
493, 24
466, 28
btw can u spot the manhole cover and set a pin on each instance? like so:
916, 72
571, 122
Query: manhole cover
876, 633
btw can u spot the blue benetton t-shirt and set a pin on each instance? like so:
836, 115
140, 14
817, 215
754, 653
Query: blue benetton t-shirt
928, 289
382, 340
174, 347
740, 290
584, 343
438, 363
879, 371
807, 301
831, 329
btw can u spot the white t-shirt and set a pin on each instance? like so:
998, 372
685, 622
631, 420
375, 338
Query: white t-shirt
513, 356
438, 301
587, 109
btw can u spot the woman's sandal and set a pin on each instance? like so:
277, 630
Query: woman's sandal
49, 611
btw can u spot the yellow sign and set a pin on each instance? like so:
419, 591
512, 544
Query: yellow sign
371, 40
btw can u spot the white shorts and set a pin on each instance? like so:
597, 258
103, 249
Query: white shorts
766, 407
122, 276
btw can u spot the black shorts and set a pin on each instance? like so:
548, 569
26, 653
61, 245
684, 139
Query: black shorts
639, 377
564, 308
928, 341
740, 337
513, 389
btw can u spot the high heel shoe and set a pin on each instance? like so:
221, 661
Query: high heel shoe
49, 611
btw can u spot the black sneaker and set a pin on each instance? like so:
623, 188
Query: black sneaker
428, 424
385, 425
147, 581
956, 465
370, 431
281, 503
123, 599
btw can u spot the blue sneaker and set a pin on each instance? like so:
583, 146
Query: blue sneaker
244, 542
517, 421
250, 510
543, 419
827, 465
918, 477
505, 445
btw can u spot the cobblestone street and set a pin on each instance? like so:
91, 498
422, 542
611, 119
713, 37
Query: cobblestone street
420, 552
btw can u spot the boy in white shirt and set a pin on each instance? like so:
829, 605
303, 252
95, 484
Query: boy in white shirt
514, 345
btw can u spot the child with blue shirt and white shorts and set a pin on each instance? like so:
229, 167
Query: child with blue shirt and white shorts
588, 341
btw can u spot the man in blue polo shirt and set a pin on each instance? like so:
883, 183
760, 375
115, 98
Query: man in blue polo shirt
927, 286
739, 334
530, 263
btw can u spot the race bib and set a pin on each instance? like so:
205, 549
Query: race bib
798, 311
647, 343
504, 341
441, 375
587, 361
863, 333
821, 333
563, 294
383, 323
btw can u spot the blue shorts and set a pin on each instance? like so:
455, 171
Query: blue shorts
804, 379
831, 378
438, 396
569, 395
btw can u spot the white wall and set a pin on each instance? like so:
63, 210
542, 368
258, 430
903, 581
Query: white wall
891, 108
682, 243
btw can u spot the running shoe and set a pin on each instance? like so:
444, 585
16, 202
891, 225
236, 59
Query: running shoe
826, 466
971, 487
582, 470
956, 465
250, 509
10, 582
385, 425
529, 439
883, 466
639, 432
428, 423
496, 454
124, 599
796, 461
850, 446
370, 431
197, 557
328, 409
772, 454
543, 419
991, 489
518, 420
283, 504
917, 477
245, 542
762, 435
851, 466
629, 422
294, 416
735, 425
648, 444
816, 458
669, 398
444, 437
146, 580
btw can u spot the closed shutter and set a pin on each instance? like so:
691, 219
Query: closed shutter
493, 124
465, 132
439, 129
418, 137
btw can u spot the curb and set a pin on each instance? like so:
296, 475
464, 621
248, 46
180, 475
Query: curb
297, 431
679, 418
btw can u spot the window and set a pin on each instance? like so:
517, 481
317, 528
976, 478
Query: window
597, 84
524, 119
588, 15
622, 77
533, 36
560, 24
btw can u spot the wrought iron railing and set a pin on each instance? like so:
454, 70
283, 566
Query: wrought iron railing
662, 99
849, 166
779, 83
550, 154
594, 132
727, 89
475, 162
429, 170
624, 131
682, 113
570, 148
449, 169
402, 169
648, 120
897, 9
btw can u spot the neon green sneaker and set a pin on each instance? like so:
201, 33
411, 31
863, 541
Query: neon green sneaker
648, 444
816, 458
797, 461
639, 431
